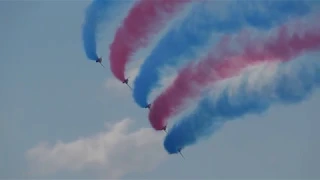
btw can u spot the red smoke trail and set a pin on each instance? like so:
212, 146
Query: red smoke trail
144, 19
193, 78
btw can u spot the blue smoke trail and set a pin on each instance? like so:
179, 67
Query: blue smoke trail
95, 15
292, 82
195, 32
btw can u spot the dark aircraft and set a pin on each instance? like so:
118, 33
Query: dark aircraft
148, 106
99, 60
165, 129
179, 150
126, 82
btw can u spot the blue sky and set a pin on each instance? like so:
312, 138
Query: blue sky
50, 93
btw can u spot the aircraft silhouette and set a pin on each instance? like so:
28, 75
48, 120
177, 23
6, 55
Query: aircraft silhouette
126, 82
99, 60
148, 106
179, 150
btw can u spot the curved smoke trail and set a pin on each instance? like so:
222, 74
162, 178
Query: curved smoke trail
284, 45
95, 15
195, 32
253, 92
144, 19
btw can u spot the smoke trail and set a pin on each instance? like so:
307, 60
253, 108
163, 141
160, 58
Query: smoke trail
95, 15
253, 92
144, 19
192, 79
195, 32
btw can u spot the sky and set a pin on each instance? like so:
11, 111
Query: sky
63, 116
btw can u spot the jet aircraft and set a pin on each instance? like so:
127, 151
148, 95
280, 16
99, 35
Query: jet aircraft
126, 82
99, 60
165, 129
179, 150
148, 106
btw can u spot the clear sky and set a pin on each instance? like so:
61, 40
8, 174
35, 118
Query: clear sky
63, 116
